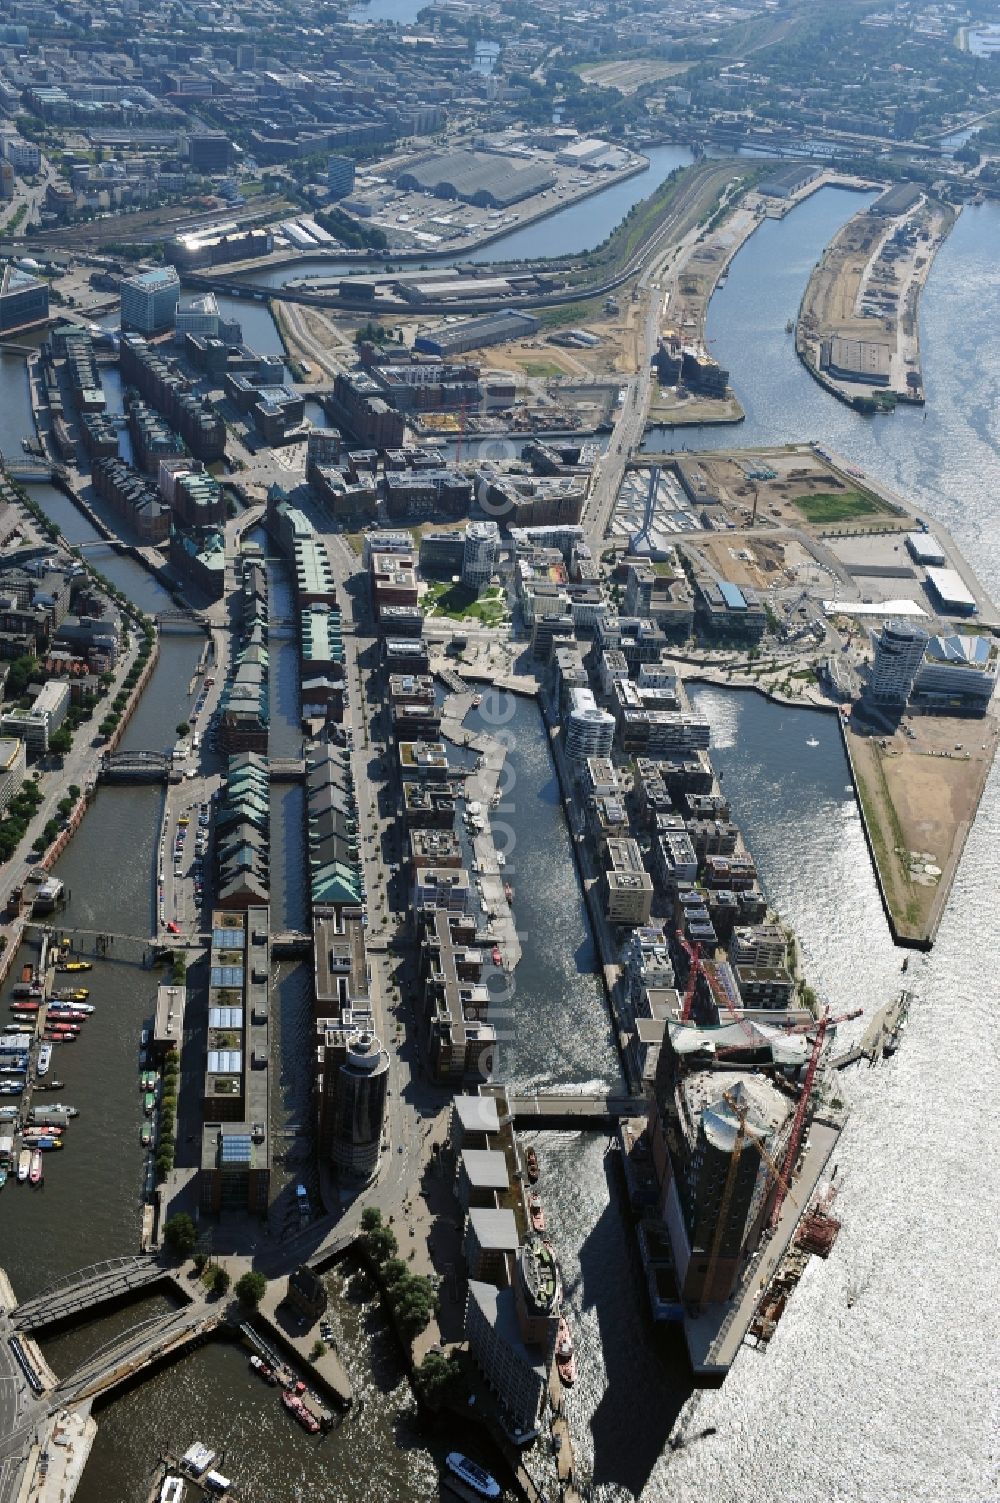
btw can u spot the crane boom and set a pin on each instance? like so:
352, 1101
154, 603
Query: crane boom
799, 1121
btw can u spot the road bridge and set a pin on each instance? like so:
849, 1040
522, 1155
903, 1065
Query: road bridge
87, 1290
149, 1344
134, 767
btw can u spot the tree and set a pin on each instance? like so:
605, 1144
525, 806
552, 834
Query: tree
371, 1218
394, 1270
439, 1379
220, 1282
61, 741
251, 1288
200, 1261
180, 1234
382, 1244
182, 728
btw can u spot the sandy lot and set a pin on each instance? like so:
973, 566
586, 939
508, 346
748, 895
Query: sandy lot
628, 74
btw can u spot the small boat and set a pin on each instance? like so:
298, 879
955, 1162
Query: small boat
42, 1132
71, 994
565, 1355
474, 1476
536, 1212
82, 1009
44, 1059
3, 1175
477, 700
148, 1103
46, 1143
532, 1165
74, 966
23, 1165
11, 1088
508, 892
37, 1170
146, 1135
9, 1113
20, 1007
262, 1370
812, 741
50, 1085
298, 1411
496, 957
147, 1080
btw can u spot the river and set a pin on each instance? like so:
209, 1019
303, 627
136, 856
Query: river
879, 1379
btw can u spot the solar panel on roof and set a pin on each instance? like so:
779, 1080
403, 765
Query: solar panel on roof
236, 1148
227, 975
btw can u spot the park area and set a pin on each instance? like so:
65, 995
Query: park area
459, 603
824, 509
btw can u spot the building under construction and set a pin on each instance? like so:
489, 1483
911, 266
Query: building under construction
716, 1136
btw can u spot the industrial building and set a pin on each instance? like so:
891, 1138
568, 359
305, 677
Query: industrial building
786, 181
856, 360
481, 178
477, 333
950, 593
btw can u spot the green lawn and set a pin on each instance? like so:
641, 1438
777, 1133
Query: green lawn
542, 369
830, 507
460, 604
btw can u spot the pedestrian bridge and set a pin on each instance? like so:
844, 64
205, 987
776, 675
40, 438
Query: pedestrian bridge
149, 1344
571, 1109
87, 1290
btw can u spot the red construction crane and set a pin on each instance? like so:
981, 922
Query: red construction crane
800, 1112
693, 953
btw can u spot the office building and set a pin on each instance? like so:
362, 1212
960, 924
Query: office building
352, 1080
516, 1372
340, 176
590, 731
479, 557
24, 300
35, 726
628, 885
899, 651
149, 301
199, 316
235, 1172
958, 675
12, 768
211, 152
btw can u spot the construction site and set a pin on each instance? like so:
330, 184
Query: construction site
857, 329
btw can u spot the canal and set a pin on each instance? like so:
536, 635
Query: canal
578, 227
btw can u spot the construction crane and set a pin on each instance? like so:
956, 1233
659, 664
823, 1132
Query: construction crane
718, 990
792, 1153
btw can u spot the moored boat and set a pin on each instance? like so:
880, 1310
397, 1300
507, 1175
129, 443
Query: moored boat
536, 1212
44, 1059
496, 957
298, 1411
148, 1103
508, 892
472, 1474
74, 966
23, 1165
565, 1355
532, 1166
262, 1370
37, 1171
146, 1135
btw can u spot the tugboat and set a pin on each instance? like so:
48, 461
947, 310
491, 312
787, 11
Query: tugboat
565, 1355
496, 957
536, 1212
531, 1162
